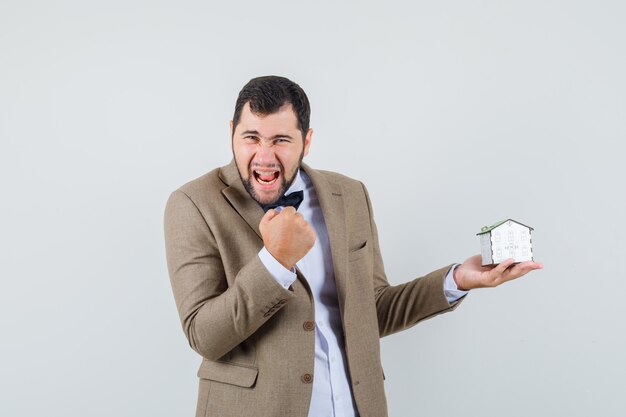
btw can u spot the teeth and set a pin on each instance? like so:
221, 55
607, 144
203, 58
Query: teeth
266, 182
265, 174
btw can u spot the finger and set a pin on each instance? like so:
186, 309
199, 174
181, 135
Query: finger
289, 210
521, 269
495, 276
512, 273
500, 268
269, 215
300, 218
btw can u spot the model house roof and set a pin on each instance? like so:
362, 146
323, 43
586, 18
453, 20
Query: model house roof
486, 229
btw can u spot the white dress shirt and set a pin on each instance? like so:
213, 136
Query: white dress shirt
332, 393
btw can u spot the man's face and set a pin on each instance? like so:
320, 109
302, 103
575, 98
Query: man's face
268, 150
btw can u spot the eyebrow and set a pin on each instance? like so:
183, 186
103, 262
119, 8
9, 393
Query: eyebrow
255, 132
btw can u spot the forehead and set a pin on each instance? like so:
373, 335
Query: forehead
283, 120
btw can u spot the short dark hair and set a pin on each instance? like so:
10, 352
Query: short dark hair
268, 94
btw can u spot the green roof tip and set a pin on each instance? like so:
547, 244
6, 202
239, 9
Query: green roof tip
486, 229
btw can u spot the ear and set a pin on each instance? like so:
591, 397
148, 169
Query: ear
307, 141
230, 128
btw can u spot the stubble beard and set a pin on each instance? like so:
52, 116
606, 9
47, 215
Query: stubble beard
284, 181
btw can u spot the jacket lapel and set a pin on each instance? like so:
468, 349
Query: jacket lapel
333, 208
239, 198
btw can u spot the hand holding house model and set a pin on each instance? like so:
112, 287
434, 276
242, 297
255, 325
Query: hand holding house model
506, 254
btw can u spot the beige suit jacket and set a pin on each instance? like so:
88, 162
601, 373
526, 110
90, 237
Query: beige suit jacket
257, 338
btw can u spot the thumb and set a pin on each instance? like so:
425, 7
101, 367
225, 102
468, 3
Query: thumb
269, 215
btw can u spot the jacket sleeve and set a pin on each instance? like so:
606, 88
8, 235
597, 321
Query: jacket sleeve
215, 317
399, 307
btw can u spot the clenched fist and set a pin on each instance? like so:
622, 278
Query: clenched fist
286, 235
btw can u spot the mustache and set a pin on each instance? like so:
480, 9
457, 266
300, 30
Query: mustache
272, 165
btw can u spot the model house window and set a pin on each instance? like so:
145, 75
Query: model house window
511, 236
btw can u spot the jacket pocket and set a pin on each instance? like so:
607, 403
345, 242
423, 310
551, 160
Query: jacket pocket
229, 373
358, 253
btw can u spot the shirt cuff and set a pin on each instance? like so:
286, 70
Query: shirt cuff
281, 274
450, 289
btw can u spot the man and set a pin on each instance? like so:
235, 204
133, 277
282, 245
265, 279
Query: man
278, 277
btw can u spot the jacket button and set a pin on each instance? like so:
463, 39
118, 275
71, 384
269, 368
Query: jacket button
307, 378
308, 326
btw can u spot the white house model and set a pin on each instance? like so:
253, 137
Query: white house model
505, 239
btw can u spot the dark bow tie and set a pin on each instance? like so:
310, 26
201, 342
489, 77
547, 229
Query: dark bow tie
294, 199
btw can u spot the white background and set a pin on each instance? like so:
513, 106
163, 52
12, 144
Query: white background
455, 114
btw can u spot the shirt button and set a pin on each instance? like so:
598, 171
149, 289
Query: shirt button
307, 378
332, 359
308, 326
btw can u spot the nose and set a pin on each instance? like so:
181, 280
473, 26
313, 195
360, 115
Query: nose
265, 154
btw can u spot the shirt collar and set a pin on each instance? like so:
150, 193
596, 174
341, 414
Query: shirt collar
297, 184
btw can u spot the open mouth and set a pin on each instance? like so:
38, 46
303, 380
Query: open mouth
266, 177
